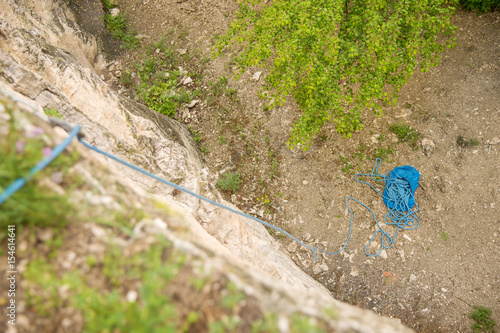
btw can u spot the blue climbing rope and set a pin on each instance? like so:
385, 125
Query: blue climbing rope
20, 182
399, 197
313, 249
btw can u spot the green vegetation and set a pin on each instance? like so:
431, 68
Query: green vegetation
482, 6
53, 113
405, 133
221, 140
229, 181
22, 149
105, 311
159, 77
117, 25
443, 235
483, 322
337, 58
466, 143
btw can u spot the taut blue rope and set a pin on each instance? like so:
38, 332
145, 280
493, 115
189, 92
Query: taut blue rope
398, 196
399, 193
313, 249
20, 182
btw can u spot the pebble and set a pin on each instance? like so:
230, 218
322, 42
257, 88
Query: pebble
305, 182
45, 234
383, 254
256, 76
428, 146
193, 103
131, 296
114, 12
493, 141
187, 81
413, 277
320, 268
292, 247
407, 237
283, 324
354, 272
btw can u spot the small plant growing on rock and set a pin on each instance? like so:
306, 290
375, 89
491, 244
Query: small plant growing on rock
229, 181
483, 322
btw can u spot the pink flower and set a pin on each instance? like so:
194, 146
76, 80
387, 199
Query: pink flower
47, 151
20, 146
34, 132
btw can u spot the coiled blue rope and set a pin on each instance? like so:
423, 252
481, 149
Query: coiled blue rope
398, 196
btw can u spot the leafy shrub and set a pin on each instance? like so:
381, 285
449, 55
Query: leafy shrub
405, 133
483, 322
159, 78
229, 181
337, 58
117, 25
465, 143
482, 6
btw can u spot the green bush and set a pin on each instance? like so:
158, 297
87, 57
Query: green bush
337, 58
117, 25
482, 6
405, 133
229, 181
483, 322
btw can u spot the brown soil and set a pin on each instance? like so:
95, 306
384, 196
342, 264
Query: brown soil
435, 274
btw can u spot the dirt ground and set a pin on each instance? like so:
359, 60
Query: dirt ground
432, 276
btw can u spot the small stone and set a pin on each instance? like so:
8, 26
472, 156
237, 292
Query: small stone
193, 103
45, 234
256, 76
187, 81
402, 255
188, 8
307, 237
413, 277
292, 247
131, 296
306, 263
383, 254
66, 323
283, 324
354, 272
428, 146
305, 182
407, 237
23, 321
444, 290
387, 274
493, 141
98, 232
182, 51
320, 268
114, 12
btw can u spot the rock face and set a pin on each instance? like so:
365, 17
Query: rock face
48, 60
